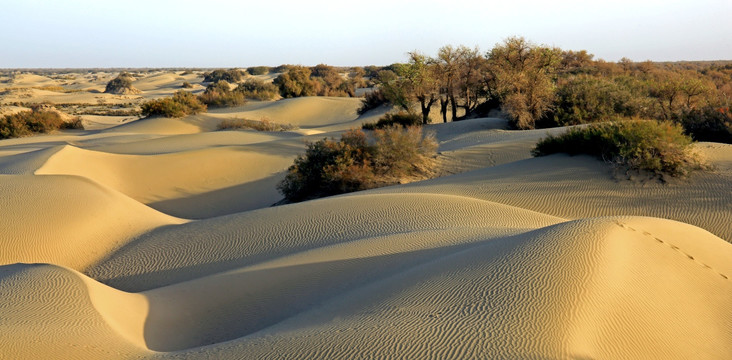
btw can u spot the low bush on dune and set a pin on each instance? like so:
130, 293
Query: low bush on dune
121, 85
186, 85
37, 120
182, 103
372, 100
357, 162
261, 125
644, 145
403, 119
258, 90
258, 70
231, 75
219, 94
708, 124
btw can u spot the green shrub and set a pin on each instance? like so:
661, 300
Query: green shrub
182, 103
258, 89
404, 119
586, 99
219, 94
708, 124
647, 145
261, 125
331, 167
259, 70
231, 75
372, 100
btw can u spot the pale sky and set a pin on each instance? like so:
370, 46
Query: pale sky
229, 33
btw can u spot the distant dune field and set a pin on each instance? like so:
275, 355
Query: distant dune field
156, 238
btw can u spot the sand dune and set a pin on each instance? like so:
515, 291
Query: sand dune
68, 220
556, 291
507, 257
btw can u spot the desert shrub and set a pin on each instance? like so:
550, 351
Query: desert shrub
645, 145
260, 125
331, 167
35, 121
258, 89
258, 70
585, 99
219, 94
73, 124
230, 75
281, 68
372, 100
401, 118
708, 124
122, 84
186, 85
182, 103
296, 82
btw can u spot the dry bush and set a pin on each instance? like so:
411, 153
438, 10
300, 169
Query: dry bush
372, 100
402, 118
231, 75
35, 121
182, 103
219, 94
260, 125
331, 167
258, 89
122, 84
259, 70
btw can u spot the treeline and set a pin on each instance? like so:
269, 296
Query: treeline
541, 86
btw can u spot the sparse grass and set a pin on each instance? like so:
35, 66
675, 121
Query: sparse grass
356, 162
260, 125
657, 147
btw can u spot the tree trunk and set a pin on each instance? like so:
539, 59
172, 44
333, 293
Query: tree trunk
443, 108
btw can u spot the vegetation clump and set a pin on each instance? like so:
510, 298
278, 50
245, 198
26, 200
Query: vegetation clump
258, 90
39, 119
658, 147
121, 85
356, 162
219, 94
186, 85
262, 125
230, 75
708, 124
182, 103
372, 100
402, 118
259, 70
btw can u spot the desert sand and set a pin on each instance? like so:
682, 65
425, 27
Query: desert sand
156, 238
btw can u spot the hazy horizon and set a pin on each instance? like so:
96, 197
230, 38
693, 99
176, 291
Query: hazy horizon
225, 33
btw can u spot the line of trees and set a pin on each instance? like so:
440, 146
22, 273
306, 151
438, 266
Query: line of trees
542, 86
